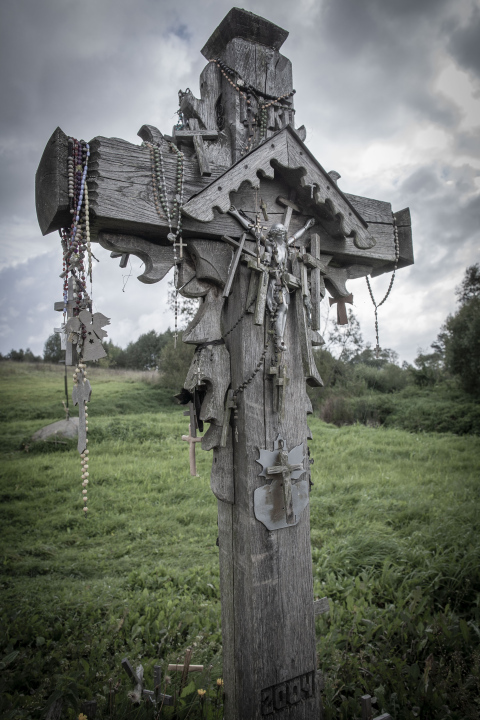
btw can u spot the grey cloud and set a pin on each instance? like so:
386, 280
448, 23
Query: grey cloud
364, 71
464, 43
468, 142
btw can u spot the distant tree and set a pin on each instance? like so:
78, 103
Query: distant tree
428, 370
52, 350
462, 345
23, 356
469, 288
369, 357
144, 353
115, 356
174, 362
458, 342
343, 342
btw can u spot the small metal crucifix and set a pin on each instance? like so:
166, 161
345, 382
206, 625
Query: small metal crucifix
284, 468
280, 503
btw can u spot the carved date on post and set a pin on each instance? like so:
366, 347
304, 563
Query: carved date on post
278, 697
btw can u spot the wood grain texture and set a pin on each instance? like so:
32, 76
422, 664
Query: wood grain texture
266, 580
285, 151
51, 185
122, 200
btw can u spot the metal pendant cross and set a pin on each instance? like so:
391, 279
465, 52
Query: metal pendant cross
282, 467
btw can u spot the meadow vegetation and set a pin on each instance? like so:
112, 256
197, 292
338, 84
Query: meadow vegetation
395, 546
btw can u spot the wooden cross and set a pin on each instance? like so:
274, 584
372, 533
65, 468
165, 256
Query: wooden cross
289, 206
248, 122
233, 266
192, 439
282, 467
280, 382
185, 668
155, 696
70, 348
81, 394
312, 260
198, 135
342, 318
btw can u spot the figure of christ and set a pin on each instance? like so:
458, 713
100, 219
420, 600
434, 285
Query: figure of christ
276, 243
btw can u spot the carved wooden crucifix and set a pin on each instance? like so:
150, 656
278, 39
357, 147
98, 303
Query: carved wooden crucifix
254, 315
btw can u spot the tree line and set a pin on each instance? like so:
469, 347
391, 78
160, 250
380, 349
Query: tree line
455, 354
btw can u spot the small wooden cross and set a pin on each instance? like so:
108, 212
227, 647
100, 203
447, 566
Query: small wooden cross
70, 348
342, 318
282, 467
289, 206
258, 286
185, 668
316, 264
248, 122
203, 163
280, 381
155, 696
233, 266
192, 439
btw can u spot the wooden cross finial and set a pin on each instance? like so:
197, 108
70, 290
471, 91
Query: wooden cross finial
342, 318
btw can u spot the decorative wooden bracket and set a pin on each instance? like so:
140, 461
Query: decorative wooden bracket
158, 259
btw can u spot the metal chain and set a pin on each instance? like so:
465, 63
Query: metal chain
246, 382
160, 193
239, 320
376, 306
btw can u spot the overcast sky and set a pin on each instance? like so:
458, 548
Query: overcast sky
388, 90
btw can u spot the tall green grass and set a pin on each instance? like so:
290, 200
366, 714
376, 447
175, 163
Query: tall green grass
395, 546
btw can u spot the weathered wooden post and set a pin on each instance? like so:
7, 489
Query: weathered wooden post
192, 201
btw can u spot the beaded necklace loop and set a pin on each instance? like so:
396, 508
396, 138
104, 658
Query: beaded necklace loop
174, 215
76, 246
392, 279
245, 91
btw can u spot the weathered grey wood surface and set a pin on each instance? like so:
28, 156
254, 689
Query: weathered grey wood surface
268, 612
267, 592
121, 198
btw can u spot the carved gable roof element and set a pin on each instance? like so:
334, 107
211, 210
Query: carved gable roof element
287, 153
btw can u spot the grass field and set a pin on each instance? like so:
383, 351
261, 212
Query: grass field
395, 543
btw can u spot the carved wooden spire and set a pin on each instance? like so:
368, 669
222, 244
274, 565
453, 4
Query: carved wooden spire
246, 73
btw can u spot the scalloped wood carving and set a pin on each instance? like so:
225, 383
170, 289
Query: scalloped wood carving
286, 151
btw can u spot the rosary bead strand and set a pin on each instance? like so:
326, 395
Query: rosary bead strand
392, 279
